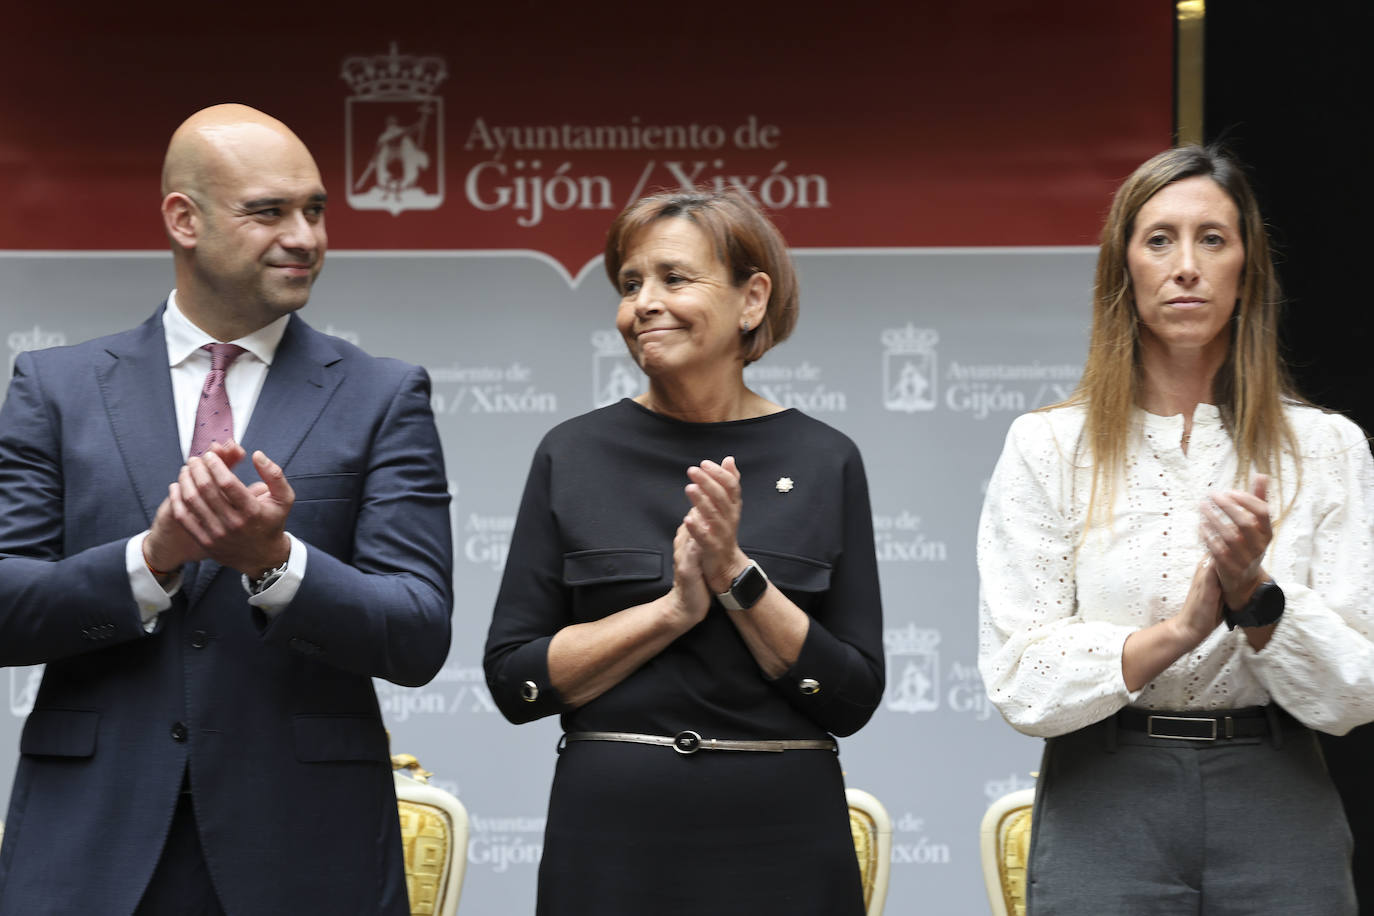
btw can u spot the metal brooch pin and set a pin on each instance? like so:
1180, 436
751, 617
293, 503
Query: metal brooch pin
784, 484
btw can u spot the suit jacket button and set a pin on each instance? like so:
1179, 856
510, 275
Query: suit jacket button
179, 732
199, 639
809, 686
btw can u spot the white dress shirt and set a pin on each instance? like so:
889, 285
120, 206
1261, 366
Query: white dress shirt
189, 365
1055, 607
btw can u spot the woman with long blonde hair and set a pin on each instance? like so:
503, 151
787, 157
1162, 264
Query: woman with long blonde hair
1177, 580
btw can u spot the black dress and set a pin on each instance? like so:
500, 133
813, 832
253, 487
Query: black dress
636, 829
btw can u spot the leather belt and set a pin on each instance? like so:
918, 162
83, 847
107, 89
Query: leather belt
1251, 722
689, 742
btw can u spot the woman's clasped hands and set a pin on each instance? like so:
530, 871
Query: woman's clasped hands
1235, 528
713, 521
706, 552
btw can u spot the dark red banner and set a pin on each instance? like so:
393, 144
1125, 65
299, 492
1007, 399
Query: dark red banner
999, 123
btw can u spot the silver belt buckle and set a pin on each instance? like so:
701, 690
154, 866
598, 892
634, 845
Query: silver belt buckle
1150, 728
687, 742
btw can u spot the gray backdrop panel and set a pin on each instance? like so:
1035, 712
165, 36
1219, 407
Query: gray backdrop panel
923, 356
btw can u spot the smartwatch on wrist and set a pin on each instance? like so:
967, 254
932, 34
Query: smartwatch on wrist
1264, 607
746, 590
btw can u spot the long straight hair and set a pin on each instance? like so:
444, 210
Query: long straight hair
1252, 384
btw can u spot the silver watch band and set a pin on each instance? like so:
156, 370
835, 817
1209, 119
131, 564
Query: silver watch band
727, 598
266, 580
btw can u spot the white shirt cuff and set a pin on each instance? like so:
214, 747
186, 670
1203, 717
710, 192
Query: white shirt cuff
275, 598
151, 596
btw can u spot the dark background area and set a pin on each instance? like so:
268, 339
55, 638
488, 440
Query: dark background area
1286, 89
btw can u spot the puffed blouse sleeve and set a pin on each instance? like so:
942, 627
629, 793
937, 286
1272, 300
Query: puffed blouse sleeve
531, 607
837, 680
1047, 669
1319, 664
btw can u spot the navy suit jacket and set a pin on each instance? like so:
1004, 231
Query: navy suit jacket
275, 722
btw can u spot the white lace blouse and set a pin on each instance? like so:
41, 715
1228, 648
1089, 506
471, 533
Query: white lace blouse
1053, 619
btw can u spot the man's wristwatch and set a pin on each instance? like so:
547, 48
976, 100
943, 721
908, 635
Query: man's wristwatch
1264, 607
265, 581
746, 590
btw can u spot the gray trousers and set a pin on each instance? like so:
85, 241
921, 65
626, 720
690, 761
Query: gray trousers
1125, 824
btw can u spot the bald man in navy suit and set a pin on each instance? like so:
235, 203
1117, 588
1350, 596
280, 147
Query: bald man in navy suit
206, 738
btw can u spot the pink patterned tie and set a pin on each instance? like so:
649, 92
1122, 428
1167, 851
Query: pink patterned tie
214, 421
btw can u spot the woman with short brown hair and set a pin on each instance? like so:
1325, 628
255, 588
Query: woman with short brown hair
702, 649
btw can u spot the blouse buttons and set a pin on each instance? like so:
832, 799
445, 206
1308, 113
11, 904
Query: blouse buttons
529, 691
809, 686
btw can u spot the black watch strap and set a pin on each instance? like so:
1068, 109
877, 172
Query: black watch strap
1264, 607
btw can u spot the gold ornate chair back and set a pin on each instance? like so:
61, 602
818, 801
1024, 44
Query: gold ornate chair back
1005, 847
434, 836
872, 830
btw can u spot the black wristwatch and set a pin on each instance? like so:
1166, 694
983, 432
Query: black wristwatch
1264, 607
746, 590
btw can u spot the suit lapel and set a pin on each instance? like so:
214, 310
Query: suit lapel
136, 387
303, 377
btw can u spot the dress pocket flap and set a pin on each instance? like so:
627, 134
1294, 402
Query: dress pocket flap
789, 571
325, 738
624, 564
317, 487
60, 732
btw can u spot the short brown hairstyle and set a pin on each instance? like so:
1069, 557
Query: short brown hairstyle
745, 241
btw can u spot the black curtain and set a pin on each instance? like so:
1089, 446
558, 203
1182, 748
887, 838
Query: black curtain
1286, 89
